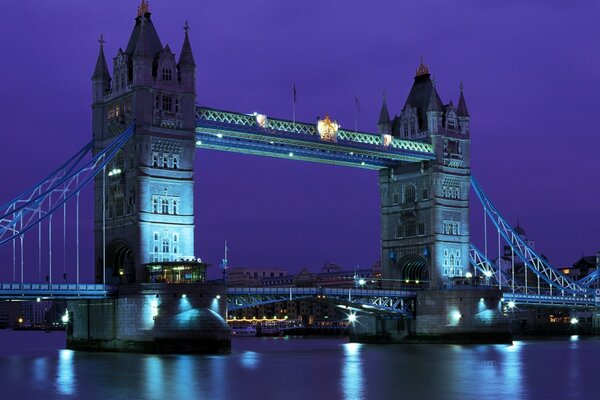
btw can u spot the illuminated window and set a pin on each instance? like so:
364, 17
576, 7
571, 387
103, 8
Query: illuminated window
451, 121
165, 206
166, 74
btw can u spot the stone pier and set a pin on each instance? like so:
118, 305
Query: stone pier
152, 318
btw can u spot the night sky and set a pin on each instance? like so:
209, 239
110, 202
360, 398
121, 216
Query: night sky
530, 73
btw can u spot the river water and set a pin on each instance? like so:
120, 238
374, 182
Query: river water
35, 365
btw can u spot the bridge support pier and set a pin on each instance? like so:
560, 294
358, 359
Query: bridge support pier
152, 318
441, 316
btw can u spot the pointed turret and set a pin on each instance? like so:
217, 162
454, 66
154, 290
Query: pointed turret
186, 57
101, 70
101, 76
462, 110
186, 65
422, 95
462, 113
384, 125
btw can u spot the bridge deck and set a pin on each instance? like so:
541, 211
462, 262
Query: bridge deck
33, 291
242, 133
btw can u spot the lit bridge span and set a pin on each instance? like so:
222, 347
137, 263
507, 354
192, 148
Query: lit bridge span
260, 135
264, 136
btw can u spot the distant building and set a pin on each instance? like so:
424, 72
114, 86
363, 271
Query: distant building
251, 276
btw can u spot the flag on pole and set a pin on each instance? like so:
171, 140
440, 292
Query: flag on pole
356, 113
294, 106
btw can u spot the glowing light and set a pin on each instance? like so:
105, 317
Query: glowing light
468, 275
291, 154
198, 142
417, 281
220, 135
362, 163
218, 296
352, 318
511, 304
361, 282
20, 320
114, 172
386, 139
261, 120
38, 299
574, 321
154, 307
183, 296
327, 129
455, 315
488, 274
351, 153
65, 318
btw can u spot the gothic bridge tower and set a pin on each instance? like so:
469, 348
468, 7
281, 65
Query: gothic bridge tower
425, 206
144, 209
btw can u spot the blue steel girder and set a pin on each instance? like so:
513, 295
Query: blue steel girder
40, 201
45, 291
548, 300
532, 260
368, 299
235, 132
491, 270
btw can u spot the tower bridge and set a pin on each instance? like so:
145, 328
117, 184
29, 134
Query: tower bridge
146, 129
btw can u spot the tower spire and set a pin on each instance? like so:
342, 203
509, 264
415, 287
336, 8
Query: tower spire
186, 57
462, 110
422, 69
101, 70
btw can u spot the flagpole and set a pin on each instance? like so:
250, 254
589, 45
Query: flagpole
294, 107
356, 114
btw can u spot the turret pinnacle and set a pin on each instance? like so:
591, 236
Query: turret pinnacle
384, 115
462, 110
101, 70
435, 103
186, 57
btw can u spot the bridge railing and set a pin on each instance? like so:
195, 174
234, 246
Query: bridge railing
278, 126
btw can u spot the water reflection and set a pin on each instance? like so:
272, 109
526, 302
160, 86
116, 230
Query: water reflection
40, 369
352, 372
154, 377
250, 359
65, 377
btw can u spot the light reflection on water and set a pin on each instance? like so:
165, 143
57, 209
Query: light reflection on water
309, 368
352, 374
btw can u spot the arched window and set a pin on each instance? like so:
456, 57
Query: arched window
155, 159
175, 210
409, 194
175, 237
155, 207
165, 160
165, 206
175, 161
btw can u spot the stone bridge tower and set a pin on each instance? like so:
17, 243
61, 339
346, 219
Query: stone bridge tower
425, 206
147, 213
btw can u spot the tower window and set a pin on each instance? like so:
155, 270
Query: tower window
396, 198
175, 237
175, 211
176, 104
165, 206
167, 103
175, 161
165, 246
409, 194
155, 159
166, 74
155, 206
165, 160
157, 102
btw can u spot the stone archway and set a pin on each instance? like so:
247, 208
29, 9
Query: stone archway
414, 269
120, 260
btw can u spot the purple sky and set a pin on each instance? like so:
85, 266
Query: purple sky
530, 77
